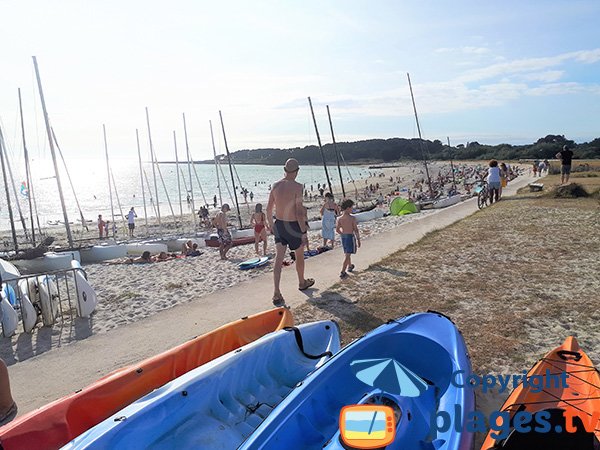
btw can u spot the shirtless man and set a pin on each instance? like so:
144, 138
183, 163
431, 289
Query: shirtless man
289, 230
220, 223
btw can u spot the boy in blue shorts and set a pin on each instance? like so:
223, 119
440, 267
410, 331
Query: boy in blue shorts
347, 228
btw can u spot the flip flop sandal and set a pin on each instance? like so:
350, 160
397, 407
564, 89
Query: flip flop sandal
278, 300
309, 282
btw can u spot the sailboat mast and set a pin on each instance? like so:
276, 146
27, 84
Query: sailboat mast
189, 161
139, 151
212, 137
320, 146
225, 182
451, 164
49, 132
112, 209
178, 179
10, 212
237, 204
14, 189
420, 137
27, 171
153, 168
337, 154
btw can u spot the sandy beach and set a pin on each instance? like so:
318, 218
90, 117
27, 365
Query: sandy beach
136, 299
128, 293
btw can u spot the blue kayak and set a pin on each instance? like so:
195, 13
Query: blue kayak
219, 404
404, 367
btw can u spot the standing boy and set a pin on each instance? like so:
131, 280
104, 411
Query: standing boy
220, 223
347, 228
131, 215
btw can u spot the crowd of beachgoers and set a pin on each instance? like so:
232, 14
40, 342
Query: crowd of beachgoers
158, 281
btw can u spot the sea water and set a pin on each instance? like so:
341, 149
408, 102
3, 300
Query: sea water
90, 183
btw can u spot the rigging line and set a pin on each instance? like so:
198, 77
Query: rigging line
164, 186
118, 200
83, 222
10, 214
112, 175
150, 190
183, 178
28, 175
198, 179
189, 168
241, 187
349, 174
139, 152
225, 181
14, 189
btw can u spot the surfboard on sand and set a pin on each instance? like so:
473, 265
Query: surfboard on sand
252, 263
86, 296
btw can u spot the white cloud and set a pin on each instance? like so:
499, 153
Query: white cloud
521, 66
468, 50
547, 76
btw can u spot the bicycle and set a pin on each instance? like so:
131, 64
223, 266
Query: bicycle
483, 194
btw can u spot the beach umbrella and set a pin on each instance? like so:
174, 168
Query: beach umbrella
389, 375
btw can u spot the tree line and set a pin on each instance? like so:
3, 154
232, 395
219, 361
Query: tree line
394, 149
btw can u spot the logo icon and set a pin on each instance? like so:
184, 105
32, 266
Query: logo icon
373, 425
367, 426
389, 375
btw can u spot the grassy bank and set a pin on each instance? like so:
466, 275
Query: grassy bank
517, 278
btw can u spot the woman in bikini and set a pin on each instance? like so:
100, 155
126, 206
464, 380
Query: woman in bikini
258, 220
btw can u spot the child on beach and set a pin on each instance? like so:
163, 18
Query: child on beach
101, 225
259, 222
347, 228
220, 223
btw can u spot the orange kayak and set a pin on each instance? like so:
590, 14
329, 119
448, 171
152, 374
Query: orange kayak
562, 398
54, 425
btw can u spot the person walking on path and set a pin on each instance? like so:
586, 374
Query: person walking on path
288, 228
131, 215
565, 156
220, 223
329, 212
101, 225
347, 228
494, 180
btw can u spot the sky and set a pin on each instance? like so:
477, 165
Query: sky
491, 72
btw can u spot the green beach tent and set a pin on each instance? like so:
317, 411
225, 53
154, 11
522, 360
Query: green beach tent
400, 206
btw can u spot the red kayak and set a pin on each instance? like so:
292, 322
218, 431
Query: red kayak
59, 422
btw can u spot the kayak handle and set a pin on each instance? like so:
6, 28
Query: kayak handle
300, 344
564, 354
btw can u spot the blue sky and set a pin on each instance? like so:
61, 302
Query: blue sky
491, 72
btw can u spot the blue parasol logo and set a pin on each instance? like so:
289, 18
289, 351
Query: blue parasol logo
389, 375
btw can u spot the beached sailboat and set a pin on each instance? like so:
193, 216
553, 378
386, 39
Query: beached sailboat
433, 200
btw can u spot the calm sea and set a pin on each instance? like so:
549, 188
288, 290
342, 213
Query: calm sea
90, 181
